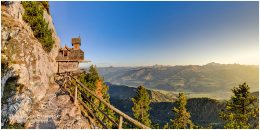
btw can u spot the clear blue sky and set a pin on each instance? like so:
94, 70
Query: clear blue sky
165, 33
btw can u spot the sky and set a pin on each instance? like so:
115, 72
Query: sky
164, 33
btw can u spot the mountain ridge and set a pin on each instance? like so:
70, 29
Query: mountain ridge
214, 78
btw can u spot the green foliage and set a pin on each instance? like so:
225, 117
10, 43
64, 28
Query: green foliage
166, 126
125, 92
33, 15
241, 109
182, 116
203, 111
14, 126
95, 83
141, 106
155, 126
46, 5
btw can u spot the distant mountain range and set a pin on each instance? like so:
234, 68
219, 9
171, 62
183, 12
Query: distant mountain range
210, 78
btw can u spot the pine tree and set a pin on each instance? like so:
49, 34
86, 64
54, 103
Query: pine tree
141, 106
96, 84
33, 15
241, 110
182, 120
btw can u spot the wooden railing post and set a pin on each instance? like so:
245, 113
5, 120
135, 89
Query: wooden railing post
125, 116
120, 122
76, 95
108, 105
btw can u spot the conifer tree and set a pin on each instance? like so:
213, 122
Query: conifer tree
96, 84
34, 16
141, 106
241, 112
182, 116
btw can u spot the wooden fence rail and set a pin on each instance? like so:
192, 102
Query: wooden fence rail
121, 114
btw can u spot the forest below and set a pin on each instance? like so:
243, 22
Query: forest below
204, 111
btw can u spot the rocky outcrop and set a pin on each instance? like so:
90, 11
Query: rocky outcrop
26, 60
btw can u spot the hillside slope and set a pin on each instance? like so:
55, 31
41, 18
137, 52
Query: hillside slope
126, 93
204, 111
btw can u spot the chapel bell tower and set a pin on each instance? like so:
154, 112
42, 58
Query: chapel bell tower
76, 42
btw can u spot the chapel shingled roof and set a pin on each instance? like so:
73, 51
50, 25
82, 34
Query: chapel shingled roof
72, 55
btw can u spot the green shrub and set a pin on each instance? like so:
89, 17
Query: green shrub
45, 4
92, 80
14, 126
33, 15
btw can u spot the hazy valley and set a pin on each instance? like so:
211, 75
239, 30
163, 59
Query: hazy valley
212, 80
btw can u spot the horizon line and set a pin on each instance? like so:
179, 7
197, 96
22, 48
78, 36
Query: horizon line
170, 65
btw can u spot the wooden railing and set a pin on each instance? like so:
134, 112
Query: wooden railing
72, 82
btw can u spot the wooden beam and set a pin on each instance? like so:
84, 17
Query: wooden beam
76, 60
76, 95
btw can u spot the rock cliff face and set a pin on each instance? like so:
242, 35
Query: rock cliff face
25, 65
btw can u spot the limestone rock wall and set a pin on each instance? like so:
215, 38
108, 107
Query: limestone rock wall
27, 60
